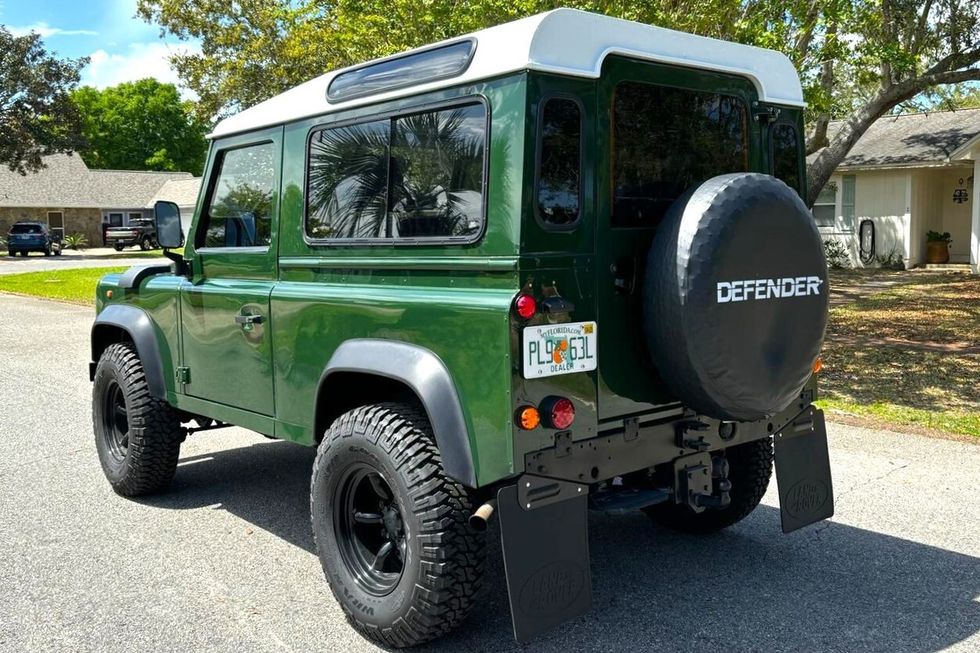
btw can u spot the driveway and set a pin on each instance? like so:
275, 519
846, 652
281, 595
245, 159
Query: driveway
225, 560
91, 258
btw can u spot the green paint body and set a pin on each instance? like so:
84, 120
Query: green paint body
455, 300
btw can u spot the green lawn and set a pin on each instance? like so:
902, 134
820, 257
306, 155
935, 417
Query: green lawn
72, 285
903, 350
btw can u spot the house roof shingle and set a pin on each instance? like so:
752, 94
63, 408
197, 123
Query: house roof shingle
912, 139
67, 182
182, 192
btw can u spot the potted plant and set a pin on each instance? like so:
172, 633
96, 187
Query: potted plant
937, 246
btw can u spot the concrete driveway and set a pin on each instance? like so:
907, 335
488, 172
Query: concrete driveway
225, 560
90, 258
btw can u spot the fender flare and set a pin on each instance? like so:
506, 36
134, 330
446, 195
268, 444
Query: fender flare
424, 372
139, 327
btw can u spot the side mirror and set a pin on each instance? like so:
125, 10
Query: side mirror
166, 216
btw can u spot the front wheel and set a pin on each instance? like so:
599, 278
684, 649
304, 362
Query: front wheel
391, 528
750, 468
136, 435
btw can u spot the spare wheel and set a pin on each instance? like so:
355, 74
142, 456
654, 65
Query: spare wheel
735, 297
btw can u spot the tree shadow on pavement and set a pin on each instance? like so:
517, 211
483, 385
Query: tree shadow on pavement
829, 587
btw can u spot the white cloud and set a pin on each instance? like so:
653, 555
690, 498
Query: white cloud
46, 31
137, 61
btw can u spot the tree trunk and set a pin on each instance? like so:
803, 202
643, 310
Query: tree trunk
822, 167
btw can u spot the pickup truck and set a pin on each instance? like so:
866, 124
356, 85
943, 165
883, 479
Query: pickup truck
140, 231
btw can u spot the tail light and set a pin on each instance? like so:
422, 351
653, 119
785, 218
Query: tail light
525, 306
558, 412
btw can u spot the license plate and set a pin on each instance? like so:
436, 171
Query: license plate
559, 349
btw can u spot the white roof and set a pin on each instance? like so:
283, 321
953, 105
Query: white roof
564, 41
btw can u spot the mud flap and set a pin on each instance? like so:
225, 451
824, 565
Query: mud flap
806, 494
546, 553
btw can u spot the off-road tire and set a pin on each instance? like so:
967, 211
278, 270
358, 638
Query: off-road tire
149, 460
750, 468
442, 568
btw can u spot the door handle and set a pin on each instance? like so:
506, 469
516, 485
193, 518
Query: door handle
248, 319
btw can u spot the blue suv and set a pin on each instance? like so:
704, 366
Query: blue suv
26, 237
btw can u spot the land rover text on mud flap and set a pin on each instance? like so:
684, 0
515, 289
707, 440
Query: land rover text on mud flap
556, 265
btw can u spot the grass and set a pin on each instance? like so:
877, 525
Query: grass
903, 350
71, 285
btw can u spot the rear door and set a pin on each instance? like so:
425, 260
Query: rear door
227, 346
667, 129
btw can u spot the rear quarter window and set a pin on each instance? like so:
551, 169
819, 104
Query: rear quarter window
414, 177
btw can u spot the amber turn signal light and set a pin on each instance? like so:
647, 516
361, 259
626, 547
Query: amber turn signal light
817, 365
528, 417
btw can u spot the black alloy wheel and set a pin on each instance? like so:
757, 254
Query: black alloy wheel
371, 533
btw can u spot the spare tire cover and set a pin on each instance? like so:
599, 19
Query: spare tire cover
735, 297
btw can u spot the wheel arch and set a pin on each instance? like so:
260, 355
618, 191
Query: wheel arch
119, 323
368, 369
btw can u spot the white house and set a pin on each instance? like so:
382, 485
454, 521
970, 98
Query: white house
906, 176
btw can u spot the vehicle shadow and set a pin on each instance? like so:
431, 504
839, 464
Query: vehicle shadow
826, 588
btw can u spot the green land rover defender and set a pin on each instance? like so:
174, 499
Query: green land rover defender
554, 266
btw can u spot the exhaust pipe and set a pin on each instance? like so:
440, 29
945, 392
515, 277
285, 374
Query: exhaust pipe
479, 519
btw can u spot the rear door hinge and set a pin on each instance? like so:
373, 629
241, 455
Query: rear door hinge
183, 375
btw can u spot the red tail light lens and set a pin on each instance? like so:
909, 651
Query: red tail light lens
525, 306
559, 411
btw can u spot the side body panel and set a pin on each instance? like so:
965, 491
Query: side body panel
453, 300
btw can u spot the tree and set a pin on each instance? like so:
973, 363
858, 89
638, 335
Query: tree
858, 59
142, 125
37, 116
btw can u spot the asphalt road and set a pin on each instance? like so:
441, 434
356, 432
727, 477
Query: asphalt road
225, 561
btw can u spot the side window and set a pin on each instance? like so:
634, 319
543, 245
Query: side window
825, 208
437, 174
559, 162
411, 177
786, 155
239, 210
665, 141
347, 191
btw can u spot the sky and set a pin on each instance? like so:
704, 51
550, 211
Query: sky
121, 46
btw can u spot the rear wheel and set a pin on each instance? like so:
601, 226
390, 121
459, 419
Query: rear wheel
137, 436
146, 245
391, 528
750, 468
118, 248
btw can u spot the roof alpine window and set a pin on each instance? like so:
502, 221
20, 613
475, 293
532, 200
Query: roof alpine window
398, 72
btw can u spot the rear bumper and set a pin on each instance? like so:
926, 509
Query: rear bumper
642, 443
128, 241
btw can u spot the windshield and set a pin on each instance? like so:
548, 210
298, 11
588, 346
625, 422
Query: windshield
26, 229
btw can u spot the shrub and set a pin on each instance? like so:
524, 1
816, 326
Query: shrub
939, 237
76, 241
891, 261
836, 253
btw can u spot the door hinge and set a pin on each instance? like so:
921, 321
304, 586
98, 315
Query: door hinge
183, 375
